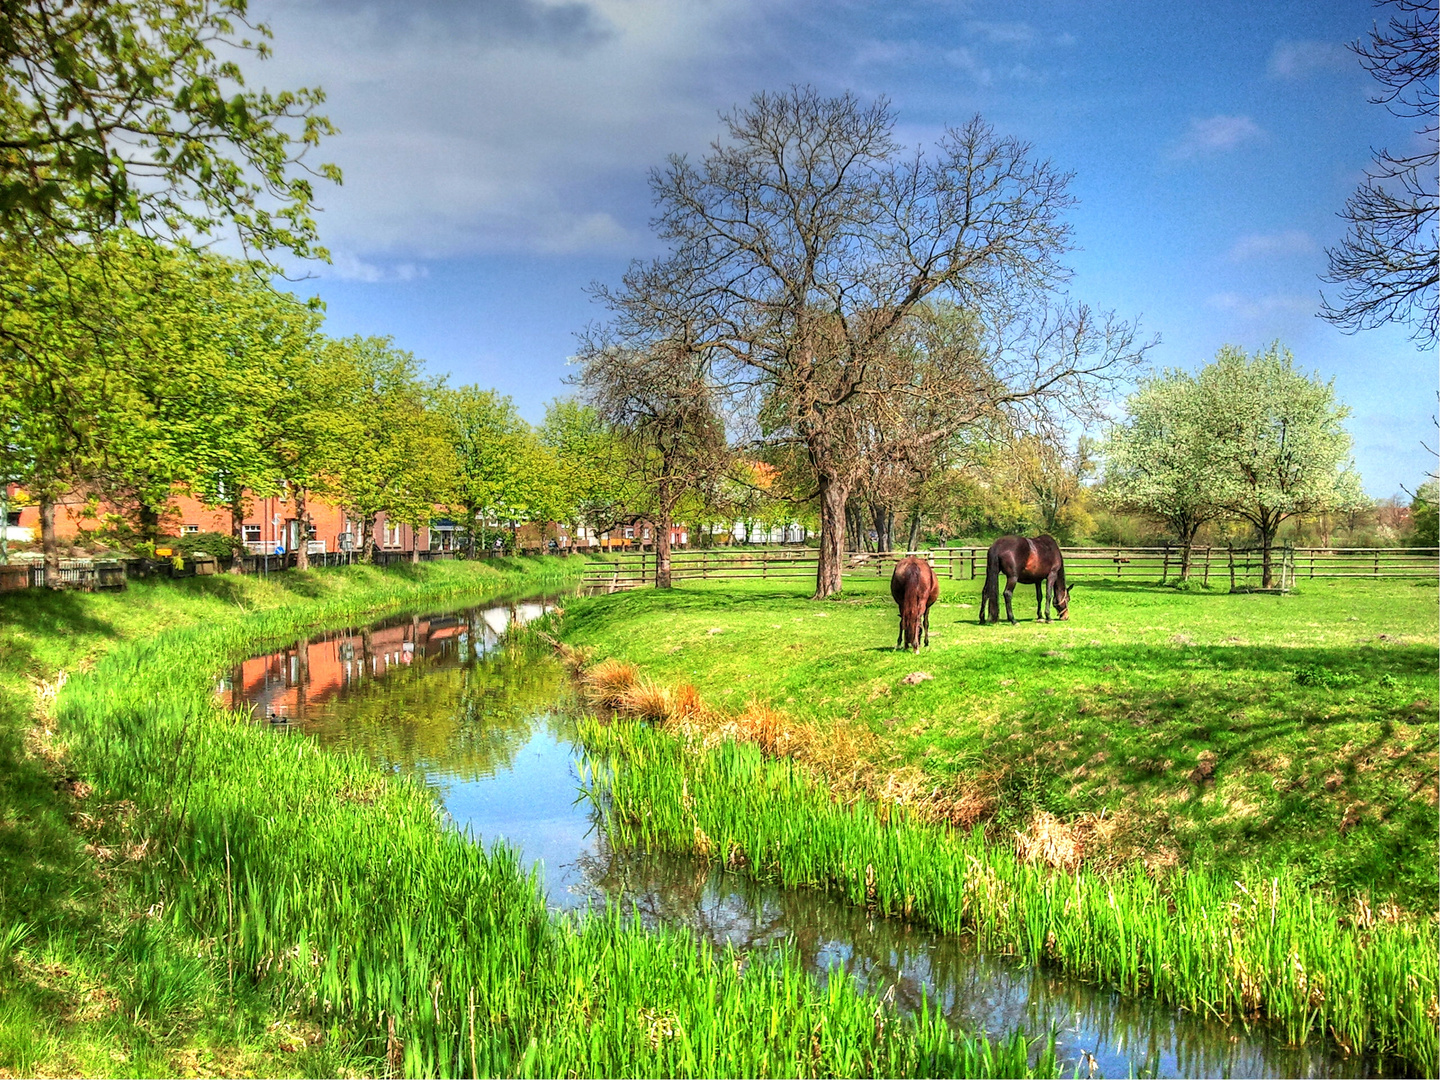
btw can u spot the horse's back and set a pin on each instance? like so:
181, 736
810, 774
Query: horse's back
1028, 559
913, 575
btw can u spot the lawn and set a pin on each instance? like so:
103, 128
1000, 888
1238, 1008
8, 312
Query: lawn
1202, 728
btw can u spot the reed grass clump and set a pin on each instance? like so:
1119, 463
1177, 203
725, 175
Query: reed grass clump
1264, 947
306, 876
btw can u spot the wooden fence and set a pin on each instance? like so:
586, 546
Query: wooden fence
1235, 567
89, 575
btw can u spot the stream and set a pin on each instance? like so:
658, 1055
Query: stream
441, 697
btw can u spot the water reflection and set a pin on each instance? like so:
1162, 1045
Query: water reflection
441, 696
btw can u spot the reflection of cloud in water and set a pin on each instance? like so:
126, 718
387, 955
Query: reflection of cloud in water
479, 722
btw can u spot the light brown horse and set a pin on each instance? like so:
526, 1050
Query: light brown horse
914, 587
1036, 562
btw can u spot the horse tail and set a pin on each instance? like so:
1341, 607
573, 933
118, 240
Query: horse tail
990, 594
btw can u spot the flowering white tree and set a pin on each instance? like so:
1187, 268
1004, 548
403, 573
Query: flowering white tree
1278, 441
1161, 461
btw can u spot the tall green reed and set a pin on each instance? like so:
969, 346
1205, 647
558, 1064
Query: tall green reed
1260, 947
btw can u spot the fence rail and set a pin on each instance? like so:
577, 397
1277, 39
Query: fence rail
1237, 567
90, 574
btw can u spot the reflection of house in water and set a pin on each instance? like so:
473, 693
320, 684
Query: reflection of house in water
312, 672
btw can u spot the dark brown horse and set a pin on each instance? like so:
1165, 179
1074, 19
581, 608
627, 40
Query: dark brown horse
1031, 562
914, 587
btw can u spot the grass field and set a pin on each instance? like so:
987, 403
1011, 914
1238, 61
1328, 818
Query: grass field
184, 893
1208, 729
1226, 801
82, 990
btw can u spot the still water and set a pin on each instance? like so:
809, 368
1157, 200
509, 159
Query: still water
440, 696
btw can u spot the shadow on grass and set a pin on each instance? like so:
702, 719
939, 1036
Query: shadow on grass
34, 616
47, 880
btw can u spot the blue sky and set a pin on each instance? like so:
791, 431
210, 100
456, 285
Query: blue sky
496, 155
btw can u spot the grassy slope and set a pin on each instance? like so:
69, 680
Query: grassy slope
1312, 714
71, 999
229, 901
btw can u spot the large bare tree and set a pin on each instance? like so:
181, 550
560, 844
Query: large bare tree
806, 238
1388, 265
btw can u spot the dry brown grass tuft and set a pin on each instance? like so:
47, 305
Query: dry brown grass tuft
646, 699
606, 682
1052, 842
687, 706
769, 729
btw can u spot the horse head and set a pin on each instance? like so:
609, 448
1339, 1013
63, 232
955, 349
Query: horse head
1061, 600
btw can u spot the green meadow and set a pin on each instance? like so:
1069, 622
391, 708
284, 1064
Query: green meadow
1224, 801
1210, 729
182, 892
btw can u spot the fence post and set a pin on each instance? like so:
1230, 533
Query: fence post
1165, 569
1206, 580
1377, 563
1230, 547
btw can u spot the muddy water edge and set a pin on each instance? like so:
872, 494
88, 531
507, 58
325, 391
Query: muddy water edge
456, 699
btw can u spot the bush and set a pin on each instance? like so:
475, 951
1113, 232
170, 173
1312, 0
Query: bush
221, 546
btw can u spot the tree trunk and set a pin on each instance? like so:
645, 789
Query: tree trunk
367, 538
237, 531
1187, 542
48, 542
302, 541
662, 552
914, 541
884, 519
1267, 529
414, 543
833, 495
148, 518
473, 517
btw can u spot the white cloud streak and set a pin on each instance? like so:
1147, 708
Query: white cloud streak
1296, 60
1273, 245
1216, 135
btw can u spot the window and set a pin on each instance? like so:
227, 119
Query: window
186, 530
629, 533
392, 535
252, 534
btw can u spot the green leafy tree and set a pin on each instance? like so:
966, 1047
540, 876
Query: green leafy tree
491, 446
392, 454
597, 488
1161, 462
1425, 513
63, 389
1278, 439
137, 114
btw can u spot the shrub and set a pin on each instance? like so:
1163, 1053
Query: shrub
221, 546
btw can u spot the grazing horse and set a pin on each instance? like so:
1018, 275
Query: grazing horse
1036, 562
914, 587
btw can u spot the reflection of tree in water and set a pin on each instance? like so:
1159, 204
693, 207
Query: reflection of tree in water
901, 961
464, 721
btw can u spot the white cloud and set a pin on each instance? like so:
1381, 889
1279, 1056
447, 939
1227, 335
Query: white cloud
1263, 307
968, 60
509, 125
350, 267
1273, 245
1301, 59
1003, 33
1216, 134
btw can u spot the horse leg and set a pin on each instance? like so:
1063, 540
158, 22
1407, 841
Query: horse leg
927, 628
900, 641
1009, 592
1040, 602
